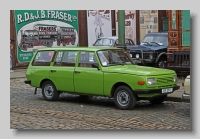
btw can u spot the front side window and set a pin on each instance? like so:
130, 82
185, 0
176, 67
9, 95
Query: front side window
43, 58
127, 42
87, 59
113, 57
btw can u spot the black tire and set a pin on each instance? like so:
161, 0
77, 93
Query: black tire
49, 91
124, 92
161, 63
158, 100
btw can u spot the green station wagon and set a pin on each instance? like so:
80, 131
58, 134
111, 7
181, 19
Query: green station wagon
98, 71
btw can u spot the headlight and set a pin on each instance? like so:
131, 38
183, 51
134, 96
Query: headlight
150, 56
137, 55
175, 79
151, 81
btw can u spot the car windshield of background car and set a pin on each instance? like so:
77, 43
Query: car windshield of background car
104, 42
113, 57
160, 40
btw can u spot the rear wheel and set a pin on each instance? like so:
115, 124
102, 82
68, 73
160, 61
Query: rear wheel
124, 98
49, 91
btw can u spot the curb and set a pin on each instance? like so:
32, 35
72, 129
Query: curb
176, 99
16, 77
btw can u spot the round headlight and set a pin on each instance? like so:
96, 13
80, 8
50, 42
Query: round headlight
150, 56
137, 55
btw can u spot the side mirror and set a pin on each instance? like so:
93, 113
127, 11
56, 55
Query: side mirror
96, 65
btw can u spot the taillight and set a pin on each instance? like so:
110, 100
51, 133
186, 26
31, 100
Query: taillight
182, 84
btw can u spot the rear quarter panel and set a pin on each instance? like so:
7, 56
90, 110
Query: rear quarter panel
36, 74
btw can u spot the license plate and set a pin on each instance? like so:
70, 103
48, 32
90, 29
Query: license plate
167, 90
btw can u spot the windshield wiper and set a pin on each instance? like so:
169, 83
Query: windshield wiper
155, 43
119, 63
147, 43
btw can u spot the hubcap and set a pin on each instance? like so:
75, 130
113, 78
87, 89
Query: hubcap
161, 64
123, 98
48, 90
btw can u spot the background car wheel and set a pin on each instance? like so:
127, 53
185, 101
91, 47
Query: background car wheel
158, 100
161, 63
124, 98
49, 91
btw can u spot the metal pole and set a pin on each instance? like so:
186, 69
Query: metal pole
121, 28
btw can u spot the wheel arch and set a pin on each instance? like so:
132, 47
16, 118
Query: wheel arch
44, 80
161, 55
114, 87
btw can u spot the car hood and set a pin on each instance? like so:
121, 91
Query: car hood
147, 48
137, 70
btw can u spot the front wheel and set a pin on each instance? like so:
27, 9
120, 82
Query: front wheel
124, 98
161, 63
49, 91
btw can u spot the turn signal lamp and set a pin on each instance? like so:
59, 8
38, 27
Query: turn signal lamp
140, 82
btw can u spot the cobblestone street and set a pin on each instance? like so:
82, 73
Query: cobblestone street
29, 111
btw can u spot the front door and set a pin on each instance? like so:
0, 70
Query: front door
88, 79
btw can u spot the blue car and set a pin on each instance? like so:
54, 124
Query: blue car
152, 50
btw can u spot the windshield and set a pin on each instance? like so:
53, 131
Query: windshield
114, 57
104, 42
159, 40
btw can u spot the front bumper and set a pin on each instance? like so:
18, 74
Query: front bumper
154, 91
144, 61
185, 96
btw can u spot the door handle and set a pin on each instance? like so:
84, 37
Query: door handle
77, 72
53, 70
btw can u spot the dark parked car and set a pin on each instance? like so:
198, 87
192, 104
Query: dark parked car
152, 50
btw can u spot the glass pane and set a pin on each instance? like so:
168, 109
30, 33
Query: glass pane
174, 19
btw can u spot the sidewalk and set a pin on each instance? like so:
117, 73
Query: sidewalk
176, 96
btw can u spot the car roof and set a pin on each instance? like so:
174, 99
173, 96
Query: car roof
165, 33
92, 48
112, 37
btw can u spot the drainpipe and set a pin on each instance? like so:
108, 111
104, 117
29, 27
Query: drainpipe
121, 28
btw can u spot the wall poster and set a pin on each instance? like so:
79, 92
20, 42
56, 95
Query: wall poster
148, 22
98, 24
44, 28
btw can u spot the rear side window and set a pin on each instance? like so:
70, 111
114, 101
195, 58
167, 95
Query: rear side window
66, 58
43, 58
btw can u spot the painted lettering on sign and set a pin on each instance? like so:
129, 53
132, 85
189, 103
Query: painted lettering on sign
42, 14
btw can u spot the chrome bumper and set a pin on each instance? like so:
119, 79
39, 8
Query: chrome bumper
185, 96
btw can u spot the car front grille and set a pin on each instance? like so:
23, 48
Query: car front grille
163, 81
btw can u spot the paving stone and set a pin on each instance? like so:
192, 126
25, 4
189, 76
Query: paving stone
29, 111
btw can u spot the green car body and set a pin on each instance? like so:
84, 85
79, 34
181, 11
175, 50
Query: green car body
126, 82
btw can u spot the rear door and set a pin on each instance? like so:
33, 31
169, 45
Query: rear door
62, 70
